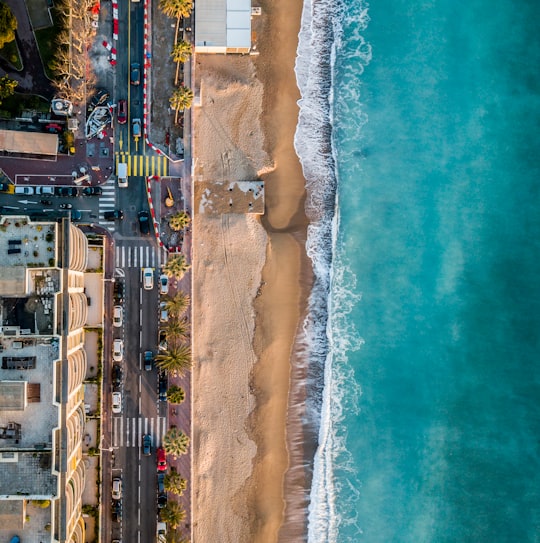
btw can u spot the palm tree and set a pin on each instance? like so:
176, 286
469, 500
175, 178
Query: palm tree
177, 331
182, 98
177, 265
175, 442
175, 483
173, 514
179, 221
176, 395
181, 52
176, 8
177, 305
176, 360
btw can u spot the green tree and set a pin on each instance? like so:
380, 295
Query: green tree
175, 442
175, 483
181, 52
7, 87
177, 331
173, 514
177, 305
176, 395
177, 9
179, 221
182, 98
177, 266
175, 361
8, 24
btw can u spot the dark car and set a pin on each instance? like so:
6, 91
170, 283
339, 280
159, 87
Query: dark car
121, 113
161, 483
66, 191
116, 377
76, 215
148, 360
162, 386
162, 501
4, 187
144, 222
117, 214
46, 202
135, 73
118, 290
65, 206
92, 191
117, 511
147, 444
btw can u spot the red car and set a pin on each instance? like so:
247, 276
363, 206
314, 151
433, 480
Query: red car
161, 460
122, 112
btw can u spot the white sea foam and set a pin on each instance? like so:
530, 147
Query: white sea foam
329, 333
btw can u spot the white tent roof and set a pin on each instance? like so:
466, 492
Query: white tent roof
222, 25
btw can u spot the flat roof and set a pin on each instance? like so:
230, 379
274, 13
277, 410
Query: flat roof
222, 25
28, 143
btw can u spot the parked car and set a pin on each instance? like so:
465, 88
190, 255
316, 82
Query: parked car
117, 214
118, 314
116, 377
117, 511
76, 215
53, 128
148, 278
162, 341
66, 191
148, 360
162, 386
144, 222
65, 205
121, 112
92, 191
160, 482
118, 291
45, 191
116, 402
162, 500
147, 444
118, 350
161, 459
117, 488
135, 73
163, 284
163, 313
23, 189
4, 187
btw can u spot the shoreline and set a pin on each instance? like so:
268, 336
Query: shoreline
252, 279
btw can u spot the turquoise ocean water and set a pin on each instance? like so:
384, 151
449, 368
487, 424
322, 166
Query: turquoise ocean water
419, 135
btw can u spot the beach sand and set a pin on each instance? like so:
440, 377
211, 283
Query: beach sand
251, 278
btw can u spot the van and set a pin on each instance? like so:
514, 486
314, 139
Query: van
161, 532
24, 190
45, 191
121, 172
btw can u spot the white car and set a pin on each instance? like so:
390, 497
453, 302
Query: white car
116, 402
117, 316
118, 350
163, 313
117, 488
163, 284
148, 278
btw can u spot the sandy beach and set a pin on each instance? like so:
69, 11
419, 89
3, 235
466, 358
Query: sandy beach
251, 281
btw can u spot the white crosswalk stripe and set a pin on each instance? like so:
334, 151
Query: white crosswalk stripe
143, 256
107, 202
128, 432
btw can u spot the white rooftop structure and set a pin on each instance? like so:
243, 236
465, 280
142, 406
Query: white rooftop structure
223, 26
